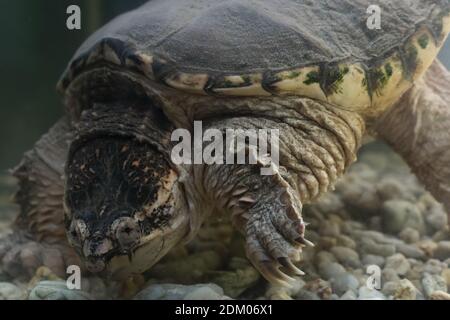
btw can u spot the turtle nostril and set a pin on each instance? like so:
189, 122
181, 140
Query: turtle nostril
97, 247
95, 266
127, 234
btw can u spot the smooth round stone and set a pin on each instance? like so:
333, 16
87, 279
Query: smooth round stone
440, 295
437, 218
442, 251
349, 295
366, 293
372, 247
410, 251
306, 295
400, 214
330, 229
446, 275
432, 283
275, 292
331, 270
344, 282
404, 290
441, 235
409, 235
370, 259
389, 288
329, 203
204, 293
9, 291
389, 274
364, 171
348, 257
181, 292
324, 257
56, 290
390, 188
346, 241
399, 263
434, 266
360, 196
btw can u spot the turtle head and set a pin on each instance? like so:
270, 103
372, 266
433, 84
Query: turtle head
123, 209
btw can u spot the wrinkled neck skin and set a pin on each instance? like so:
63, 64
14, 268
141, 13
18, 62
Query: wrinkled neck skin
126, 203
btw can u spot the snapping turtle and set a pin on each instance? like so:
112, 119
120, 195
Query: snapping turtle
311, 69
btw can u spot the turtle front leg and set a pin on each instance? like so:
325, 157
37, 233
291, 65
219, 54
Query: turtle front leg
316, 143
418, 128
38, 237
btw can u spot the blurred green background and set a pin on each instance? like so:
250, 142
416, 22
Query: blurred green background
36, 47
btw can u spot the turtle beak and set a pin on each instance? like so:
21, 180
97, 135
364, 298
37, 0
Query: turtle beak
149, 250
95, 251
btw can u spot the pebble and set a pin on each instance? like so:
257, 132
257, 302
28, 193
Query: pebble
400, 214
389, 274
440, 295
9, 291
370, 259
365, 171
346, 256
428, 246
330, 270
399, 263
346, 241
56, 290
409, 235
432, 283
390, 188
403, 290
349, 295
306, 295
330, 203
344, 282
369, 246
320, 287
446, 275
181, 292
366, 293
433, 266
410, 251
360, 197
285, 293
330, 229
441, 235
442, 251
436, 217
349, 226
324, 257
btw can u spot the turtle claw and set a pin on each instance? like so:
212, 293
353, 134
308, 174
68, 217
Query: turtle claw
22, 257
271, 272
272, 248
305, 242
290, 267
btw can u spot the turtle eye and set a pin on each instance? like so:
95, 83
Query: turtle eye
127, 232
77, 232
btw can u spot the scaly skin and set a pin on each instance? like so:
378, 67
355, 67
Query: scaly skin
418, 128
39, 237
317, 144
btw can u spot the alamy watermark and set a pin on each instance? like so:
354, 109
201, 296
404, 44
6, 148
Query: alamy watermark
73, 281
230, 146
374, 280
73, 21
374, 19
